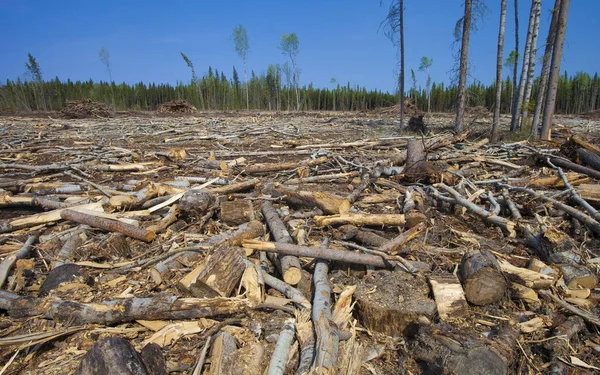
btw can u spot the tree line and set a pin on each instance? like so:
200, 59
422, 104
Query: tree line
269, 91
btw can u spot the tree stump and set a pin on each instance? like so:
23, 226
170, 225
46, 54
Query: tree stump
481, 277
236, 212
389, 300
115, 355
61, 274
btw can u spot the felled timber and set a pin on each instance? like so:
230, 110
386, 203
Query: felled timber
330, 204
108, 224
482, 277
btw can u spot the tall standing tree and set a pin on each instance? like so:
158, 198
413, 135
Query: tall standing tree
499, 59
242, 47
105, 60
515, 92
333, 81
516, 110
35, 73
394, 30
464, 56
413, 77
535, 123
425, 67
290, 46
561, 29
531, 63
195, 80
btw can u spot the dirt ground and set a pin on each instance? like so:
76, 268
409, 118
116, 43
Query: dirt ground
155, 141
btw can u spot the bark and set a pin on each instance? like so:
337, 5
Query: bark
401, 27
589, 159
417, 168
115, 355
61, 274
464, 57
516, 62
282, 349
120, 311
561, 28
577, 276
288, 265
108, 224
235, 188
543, 85
482, 277
499, 64
527, 277
265, 168
575, 167
531, 62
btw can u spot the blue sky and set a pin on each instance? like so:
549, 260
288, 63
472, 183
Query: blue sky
338, 38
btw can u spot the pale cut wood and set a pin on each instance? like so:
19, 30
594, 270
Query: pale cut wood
527, 295
589, 192
362, 219
218, 276
449, 297
577, 276
236, 212
48, 217
526, 277
223, 346
329, 203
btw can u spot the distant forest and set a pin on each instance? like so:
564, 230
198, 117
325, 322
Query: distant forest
273, 91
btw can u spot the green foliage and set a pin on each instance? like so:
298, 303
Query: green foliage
105, 60
511, 59
240, 41
289, 45
33, 69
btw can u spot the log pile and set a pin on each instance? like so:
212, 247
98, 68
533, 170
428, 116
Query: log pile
176, 106
217, 244
85, 108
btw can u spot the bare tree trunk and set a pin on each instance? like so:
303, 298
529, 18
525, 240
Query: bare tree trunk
496, 125
561, 28
401, 10
246, 75
516, 62
532, 57
516, 111
544, 74
464, 54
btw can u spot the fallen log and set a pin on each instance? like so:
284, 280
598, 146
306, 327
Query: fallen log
236, 212
289, 265
589, 159
120, 311
575, 167
482, 277
264, 168
8, 262
235, 188
108, 225
319, 253
282, 349
527, 277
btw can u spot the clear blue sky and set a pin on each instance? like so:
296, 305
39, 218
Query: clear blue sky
338, 38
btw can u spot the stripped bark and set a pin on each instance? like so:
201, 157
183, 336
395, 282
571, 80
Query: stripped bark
109, 225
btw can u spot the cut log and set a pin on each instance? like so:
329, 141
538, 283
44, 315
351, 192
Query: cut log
578, 276
154, 360
329, 203
589, 159
236, 212
218, 276
108, 224
449, 297
10, 260
247, 360
235, 188
389, 300
115, 355
590, 192
282, 348
560, 347
195, 202
289, 265
481, 277
362, 219
575, 167
263, 168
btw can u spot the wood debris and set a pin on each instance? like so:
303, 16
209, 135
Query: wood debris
221, 243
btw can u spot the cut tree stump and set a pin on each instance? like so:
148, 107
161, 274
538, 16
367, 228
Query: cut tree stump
578, 277
388, 301
115, 355
195, 202
236, 212
481, 277
218, 276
